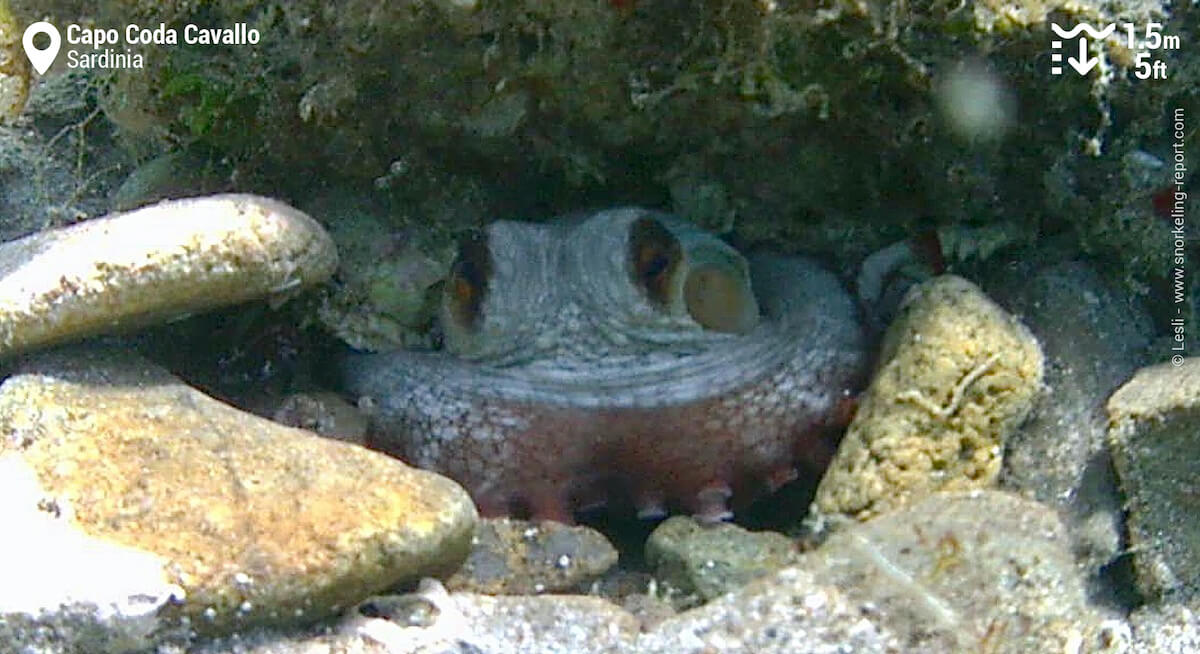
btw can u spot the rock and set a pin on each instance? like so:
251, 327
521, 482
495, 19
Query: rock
324, 413
965, 571
255, 522
649, 610
1094, 338
957, 375
155, 263
96, 592
41, 182
14, 71
955, 572
1153, 420
1166, 629
638, 592
517, 624
169, 177
517, 557
787, 611
709, 561
432, 621
389, 275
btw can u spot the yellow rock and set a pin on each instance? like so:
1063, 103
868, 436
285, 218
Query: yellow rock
258, 523
957, 375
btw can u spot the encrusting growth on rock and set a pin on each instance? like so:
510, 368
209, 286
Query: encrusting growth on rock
957, 375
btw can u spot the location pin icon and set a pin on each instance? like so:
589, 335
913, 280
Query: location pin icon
41, 59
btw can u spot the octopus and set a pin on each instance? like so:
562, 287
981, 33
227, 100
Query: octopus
624, 351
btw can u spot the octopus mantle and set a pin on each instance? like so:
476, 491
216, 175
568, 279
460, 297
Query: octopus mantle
621, 351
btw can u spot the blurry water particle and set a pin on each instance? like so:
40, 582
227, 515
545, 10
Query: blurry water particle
976, 103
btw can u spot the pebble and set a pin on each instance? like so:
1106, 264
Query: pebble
1153, 420
709, 561
248, 521
155, 264
518, 557
958, 375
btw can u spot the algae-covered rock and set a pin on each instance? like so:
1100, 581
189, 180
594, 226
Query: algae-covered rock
812, 126
1153, 421
957, 375
14, 67
711, 560
389, 276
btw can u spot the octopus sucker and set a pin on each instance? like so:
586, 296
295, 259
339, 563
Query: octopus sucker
622, 351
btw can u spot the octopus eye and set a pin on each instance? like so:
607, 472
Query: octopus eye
719, 299
654, 254
467, 283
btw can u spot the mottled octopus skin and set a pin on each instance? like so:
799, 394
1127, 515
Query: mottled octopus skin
679, 425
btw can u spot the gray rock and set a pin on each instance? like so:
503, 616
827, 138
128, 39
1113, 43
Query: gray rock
955, 572
1153, 421
515, 557
170, 176
499, 625
965, 571
432, 621
787, 611
1094, 338
42, 181
638, 592
156, 263
709, 561
213, 519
